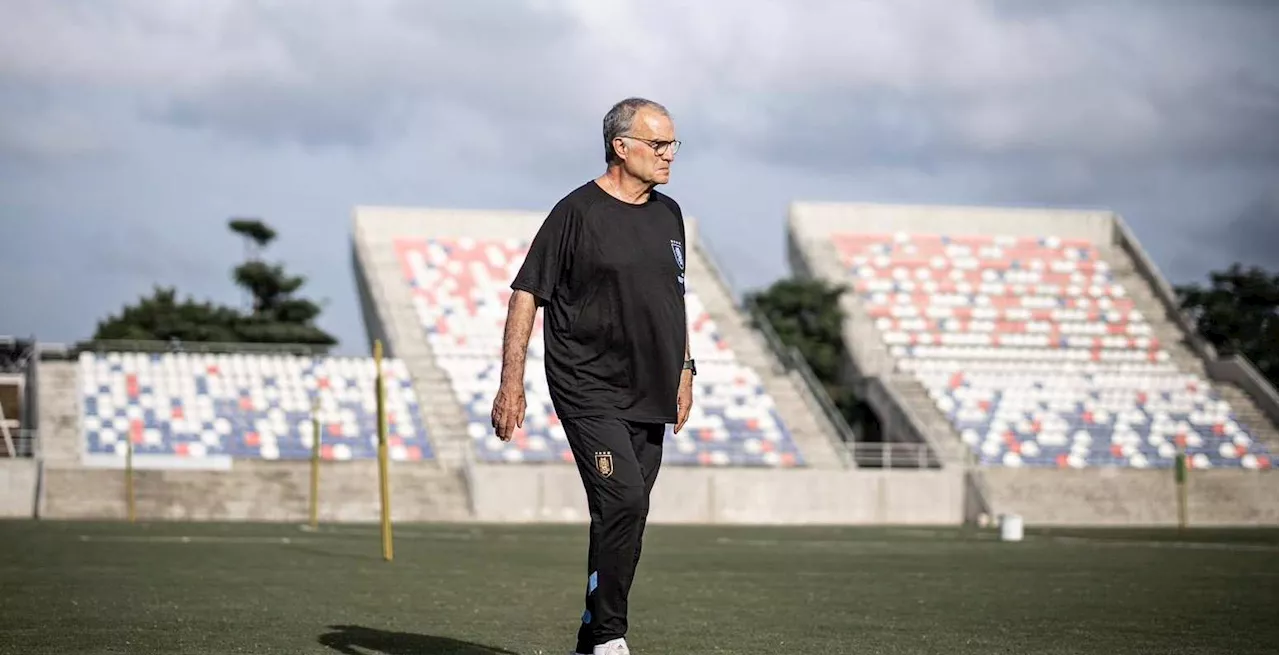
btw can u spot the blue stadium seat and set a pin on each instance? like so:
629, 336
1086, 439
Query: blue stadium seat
249, 406
1037, 355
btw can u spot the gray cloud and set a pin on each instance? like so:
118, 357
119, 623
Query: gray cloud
1253, 237
1115, 87
162, 119
331, 78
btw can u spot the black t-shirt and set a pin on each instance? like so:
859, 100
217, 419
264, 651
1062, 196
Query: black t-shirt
610, 277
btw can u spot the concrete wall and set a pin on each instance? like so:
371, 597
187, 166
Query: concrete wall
18, 488
256, 491
61, 440
554, 493
1132, 497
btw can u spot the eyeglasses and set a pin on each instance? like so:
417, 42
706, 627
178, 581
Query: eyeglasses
660, 148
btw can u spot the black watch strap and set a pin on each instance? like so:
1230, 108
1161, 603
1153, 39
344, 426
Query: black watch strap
691, 366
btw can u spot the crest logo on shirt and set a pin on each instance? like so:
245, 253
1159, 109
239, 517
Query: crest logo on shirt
604, 463
677, 249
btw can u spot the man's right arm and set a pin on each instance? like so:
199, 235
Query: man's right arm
509, 405
550, 254
521, 310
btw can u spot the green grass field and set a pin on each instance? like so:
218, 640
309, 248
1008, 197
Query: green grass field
69, 587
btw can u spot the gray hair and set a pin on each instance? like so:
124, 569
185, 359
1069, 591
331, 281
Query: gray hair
619, 119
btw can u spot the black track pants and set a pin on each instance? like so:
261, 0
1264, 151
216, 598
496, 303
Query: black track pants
618, 461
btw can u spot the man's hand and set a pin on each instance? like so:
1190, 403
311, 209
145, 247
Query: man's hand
508, 411
684, 399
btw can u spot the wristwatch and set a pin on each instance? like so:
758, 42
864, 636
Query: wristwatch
690, 366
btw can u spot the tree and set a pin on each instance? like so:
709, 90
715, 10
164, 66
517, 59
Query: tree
806, 315
275, 314
162, 317
255, 232
1236, 312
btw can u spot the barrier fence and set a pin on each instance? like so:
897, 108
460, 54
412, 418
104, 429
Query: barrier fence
19, 443
890, 455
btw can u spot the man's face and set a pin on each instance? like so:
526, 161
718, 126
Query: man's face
649, 128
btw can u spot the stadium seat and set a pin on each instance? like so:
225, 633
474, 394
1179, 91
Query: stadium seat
249, 406
460, 292
1036, 355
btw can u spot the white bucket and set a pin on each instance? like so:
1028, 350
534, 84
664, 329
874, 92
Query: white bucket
1010, 527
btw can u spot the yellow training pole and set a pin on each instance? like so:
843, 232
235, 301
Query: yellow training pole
384, 483
128, 479
315, 461
1180, 479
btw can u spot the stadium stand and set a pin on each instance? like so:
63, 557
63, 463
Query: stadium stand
1020, 360
245, 405
1037, 355
460, 293
1042, 352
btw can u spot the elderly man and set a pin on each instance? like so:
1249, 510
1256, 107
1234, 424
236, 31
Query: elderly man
607, 266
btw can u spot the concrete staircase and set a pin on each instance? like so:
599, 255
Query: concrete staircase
442, 414
813, 433
441, 411
1173, 339
939, 430
1170, 335
1249, 416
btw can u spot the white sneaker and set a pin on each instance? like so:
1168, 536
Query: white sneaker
612, 647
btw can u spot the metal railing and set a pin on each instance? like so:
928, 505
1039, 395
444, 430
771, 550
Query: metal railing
923, 453
907, 416
792, 360
893, 455
1241, 372
19, 443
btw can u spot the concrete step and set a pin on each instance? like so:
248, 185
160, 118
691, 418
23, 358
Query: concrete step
443, 415
810, 430
1171, 336
935, 423
1249, 416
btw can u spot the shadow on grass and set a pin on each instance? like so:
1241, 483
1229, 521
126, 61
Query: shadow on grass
347, 638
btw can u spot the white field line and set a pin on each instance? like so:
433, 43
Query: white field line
181, 539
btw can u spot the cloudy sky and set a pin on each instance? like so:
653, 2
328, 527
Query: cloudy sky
131, 130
